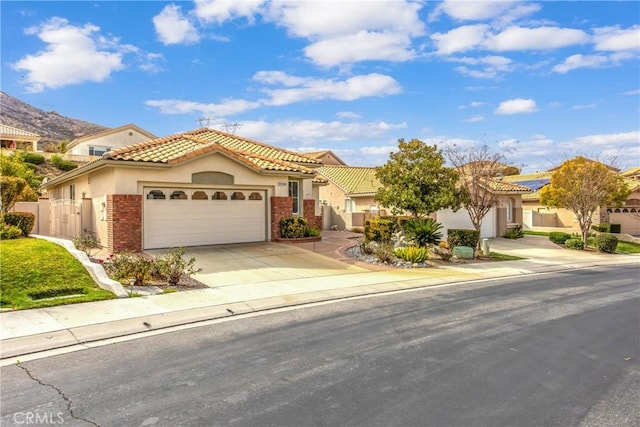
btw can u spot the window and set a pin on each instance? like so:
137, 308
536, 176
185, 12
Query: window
255, 196
98, 150
349, 205
178, 195
72, 191
509, 210
294, 193
199, 195
155, 194
219, 195
237, 195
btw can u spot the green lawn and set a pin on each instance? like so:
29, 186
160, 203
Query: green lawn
37, 273
623, 247
497, 256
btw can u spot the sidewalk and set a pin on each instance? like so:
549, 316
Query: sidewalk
28, 331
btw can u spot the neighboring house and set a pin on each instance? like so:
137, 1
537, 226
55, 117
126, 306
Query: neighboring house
539, 217
201, 187
90, 147
349, 195
507, 214
327, 157
18, 139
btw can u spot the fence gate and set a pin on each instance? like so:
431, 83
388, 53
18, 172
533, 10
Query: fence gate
65, 218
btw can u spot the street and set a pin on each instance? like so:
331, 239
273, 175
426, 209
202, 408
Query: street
558, 349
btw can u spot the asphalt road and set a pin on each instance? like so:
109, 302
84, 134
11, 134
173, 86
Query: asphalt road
546, 350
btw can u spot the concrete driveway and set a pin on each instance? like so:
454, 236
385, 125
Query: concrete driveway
241, 264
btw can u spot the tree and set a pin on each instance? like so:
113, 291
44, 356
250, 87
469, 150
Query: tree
415, 180
14, 166
11, 188
582, 186
478, 167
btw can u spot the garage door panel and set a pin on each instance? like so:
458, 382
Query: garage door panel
170, 223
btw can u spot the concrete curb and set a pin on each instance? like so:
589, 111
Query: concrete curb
96, 271
20, 346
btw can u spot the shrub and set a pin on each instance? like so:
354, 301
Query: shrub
378, 230
384, 252
606, 242
60, 163
413, 254
514, 233
171, 266
357, 230
293, 227
128, 268
8, 232
462, 237
366, 248
559, 237
311, 231
33, 158
423, 231
603, 227
23, 220
574, 243
87, 242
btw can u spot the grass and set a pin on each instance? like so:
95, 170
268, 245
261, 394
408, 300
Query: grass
37, 273
623, 247
496, 256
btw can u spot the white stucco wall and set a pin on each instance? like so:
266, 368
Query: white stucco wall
114, 140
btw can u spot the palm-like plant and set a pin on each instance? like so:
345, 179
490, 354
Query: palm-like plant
423, 231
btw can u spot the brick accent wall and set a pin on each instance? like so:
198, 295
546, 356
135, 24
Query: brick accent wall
281, 207
124, 222
309, 213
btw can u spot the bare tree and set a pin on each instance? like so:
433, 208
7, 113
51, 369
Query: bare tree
478, 169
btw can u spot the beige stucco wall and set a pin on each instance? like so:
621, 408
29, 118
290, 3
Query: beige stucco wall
115, 140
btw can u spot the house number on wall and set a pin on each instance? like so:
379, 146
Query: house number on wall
282, 184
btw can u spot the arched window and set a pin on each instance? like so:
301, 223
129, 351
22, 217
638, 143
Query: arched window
178, 195
255, 196
199, 195
219, 195
156, 194
510, 206
237, 195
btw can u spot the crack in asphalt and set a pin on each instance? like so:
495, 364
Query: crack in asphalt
60, 392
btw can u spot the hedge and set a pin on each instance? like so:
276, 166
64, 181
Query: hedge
23, 220
559, 237
462, 237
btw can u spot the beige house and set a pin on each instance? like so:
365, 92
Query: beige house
349, 195
18, 139
539, 217
90, 147
201, 187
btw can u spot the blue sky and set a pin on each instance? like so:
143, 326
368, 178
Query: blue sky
544, 81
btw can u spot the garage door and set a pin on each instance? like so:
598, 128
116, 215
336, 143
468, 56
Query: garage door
191, 217
460, 219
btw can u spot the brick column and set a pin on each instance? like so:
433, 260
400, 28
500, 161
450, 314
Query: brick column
309, 213
281, 207
124, 222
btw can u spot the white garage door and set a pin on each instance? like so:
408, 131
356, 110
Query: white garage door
460, 219
191, 217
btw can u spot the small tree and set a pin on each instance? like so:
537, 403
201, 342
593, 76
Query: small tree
11, 188
477, 168
582, 186
15, 166
415, 180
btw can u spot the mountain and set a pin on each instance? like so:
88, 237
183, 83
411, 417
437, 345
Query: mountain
50, 125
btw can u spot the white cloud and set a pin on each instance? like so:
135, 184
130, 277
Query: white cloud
296, 89
605, 140
473, 104
617, 39
72, 55
516, 106
489, 66
172, 27
541, 38
348, 115
460, 39
581, 61
472, 10
219, 11
303, 89
632, 92
584, 106
363, 46
226, 108
474, 119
